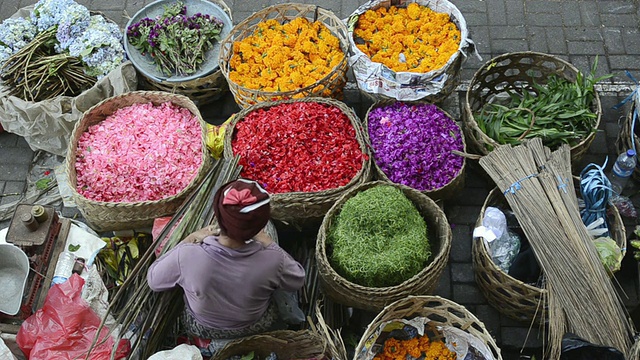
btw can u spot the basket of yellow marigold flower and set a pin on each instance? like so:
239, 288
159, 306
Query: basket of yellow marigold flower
409, 52
426, 327
286, 51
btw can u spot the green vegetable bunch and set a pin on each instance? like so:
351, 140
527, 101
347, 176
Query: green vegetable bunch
379, 238
558, 112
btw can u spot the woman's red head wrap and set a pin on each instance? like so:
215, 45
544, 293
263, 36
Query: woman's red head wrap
242, 209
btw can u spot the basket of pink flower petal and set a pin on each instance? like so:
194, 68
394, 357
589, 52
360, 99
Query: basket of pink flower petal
135, 157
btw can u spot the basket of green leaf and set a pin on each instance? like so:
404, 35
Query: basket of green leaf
381, 242
523, 95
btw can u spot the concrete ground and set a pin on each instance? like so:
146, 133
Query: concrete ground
577, 31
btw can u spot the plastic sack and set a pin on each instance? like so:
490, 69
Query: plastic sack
65, 327
503, 243
215, 138
576, 348
288, 309
180, 352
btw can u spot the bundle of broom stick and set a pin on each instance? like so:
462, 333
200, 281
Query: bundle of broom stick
581, 297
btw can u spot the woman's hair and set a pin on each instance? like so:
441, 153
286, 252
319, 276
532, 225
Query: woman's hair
242, 208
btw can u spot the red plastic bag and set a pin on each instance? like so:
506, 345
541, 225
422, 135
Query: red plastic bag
65, 327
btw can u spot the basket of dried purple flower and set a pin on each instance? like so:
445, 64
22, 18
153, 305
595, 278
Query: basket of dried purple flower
156, 43
415, 144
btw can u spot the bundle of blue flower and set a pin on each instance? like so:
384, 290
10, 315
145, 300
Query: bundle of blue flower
62, 48
414, 144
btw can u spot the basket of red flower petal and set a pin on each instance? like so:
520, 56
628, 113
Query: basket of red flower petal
135, 157
410, 50
523, 95
379, 243
187, 65
286, 344
513, 292
413, 144
431, 326
305, 152
286, 51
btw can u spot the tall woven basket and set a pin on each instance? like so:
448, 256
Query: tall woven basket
510, 296
514, 71
286, 344
440, 311
330, 86
624, 140
202, 90
348, 293
301, 206
105, 216
447, 191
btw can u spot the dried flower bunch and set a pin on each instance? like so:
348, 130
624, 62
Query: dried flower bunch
177, 43
294, 147
62, 48
139, 153
414, 39
412, 144
285, 57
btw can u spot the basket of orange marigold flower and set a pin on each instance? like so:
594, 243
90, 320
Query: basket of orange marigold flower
429, 328
286, 51
408, 52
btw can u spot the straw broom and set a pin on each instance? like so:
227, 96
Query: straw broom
159, 311
581, 296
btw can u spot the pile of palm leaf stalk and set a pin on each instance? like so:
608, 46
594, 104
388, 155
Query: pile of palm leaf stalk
581, 297
37, 73
153, 315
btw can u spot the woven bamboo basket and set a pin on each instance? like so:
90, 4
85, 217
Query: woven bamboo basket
447, 191
510, 296
440, 311
201, 91
330, 86
514, 71
348, 293
286, 344
418, 82
300, 206
104, 216
624, 142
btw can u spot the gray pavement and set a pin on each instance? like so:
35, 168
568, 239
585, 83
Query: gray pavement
576, 31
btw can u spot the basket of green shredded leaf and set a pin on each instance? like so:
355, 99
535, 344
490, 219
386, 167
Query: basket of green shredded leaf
381, 242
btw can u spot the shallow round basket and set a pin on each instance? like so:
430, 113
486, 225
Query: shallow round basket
300, 206
440, 311
516, 71
105, 216
286, 344
624, 142
348, 293
207, 86
450, 71
330, 86
451, 189
510, 296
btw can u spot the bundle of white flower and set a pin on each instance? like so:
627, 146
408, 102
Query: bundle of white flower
91, 38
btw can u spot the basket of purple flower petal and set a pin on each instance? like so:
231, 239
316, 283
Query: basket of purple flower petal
417, 144
174, 45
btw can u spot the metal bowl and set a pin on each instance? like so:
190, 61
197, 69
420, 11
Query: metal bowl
148, 67
14, 271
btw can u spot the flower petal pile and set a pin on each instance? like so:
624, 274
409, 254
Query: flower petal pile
295, 147
412, 144
415, 38
139, 153
285, 57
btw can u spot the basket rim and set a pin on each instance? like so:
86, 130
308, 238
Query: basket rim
224, 47
470, 119
70, 160
385, 102
431, 74
353, 118
321, 254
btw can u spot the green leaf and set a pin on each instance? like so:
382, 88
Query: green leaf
43, 183
249, 356
74, 248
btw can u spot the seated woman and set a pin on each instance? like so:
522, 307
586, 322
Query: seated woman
229, 280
